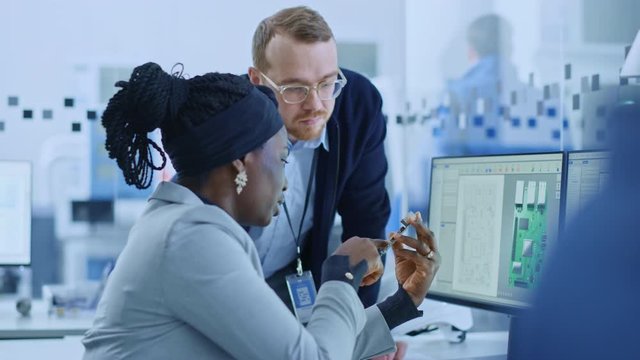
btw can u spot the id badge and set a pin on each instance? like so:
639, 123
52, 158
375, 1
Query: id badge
302, 291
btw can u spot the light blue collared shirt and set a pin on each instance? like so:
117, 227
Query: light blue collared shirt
275, 243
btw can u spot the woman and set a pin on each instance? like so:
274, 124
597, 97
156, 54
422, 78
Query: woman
188, 284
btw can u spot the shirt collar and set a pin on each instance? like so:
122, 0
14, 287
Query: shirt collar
323, 140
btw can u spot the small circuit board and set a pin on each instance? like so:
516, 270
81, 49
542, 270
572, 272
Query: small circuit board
529, 234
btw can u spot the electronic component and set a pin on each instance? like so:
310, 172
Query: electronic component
531, 193
516, 267
519, 192
527, 248
523, 224
542, 193
404, 225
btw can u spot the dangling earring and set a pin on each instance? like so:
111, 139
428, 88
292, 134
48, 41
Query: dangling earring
241, 181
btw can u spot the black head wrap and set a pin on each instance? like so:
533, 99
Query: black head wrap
227, 136
206, 121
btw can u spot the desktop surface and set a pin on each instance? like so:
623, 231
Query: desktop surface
39, 324
494, 218
477, 345
432, 346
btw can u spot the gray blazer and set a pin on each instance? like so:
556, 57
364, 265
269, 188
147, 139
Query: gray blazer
189, 285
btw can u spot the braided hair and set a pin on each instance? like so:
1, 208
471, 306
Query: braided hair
153, 99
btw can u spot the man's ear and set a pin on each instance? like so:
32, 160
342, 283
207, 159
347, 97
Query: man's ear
254, 75
472, 55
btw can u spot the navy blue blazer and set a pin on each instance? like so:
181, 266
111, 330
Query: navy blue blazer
350, 177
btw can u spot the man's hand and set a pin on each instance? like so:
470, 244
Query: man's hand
415, 270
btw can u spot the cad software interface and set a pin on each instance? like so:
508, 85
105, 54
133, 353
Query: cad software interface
588, 173
493, 218
15, 213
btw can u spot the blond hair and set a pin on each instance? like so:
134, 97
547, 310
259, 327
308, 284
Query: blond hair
301, 23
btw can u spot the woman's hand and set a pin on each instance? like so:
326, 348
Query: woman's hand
415, 270
358, 249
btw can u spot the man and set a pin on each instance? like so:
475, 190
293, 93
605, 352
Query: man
488, 52
337, 161
491, 77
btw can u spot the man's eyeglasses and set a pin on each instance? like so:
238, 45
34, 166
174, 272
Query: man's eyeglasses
295, 94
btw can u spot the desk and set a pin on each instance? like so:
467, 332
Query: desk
69, 347
39, 324
59, 338
478, 345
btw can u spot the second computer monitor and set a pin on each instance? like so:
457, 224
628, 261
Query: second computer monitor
588, 172
494, 218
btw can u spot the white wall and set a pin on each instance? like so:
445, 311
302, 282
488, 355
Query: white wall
45, 42
53, 49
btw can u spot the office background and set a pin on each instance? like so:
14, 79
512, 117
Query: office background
558, 77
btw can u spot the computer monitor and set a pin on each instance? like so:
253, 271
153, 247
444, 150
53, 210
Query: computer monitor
15, 212
494, 218
588, 172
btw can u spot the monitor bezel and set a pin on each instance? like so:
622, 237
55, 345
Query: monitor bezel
513, 310
30, 207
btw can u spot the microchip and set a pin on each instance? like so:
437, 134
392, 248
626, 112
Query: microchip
516, 267
527, 248
523, 224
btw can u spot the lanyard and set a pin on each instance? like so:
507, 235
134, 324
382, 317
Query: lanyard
296, 238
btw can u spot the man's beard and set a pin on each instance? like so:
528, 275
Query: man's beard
301, 132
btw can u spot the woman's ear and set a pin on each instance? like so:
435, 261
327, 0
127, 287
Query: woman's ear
238, 164
241, 177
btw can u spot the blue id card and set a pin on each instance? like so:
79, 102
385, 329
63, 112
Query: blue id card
302, 291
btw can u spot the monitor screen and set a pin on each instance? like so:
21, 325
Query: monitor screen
587, 174
494, 218
15, 212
